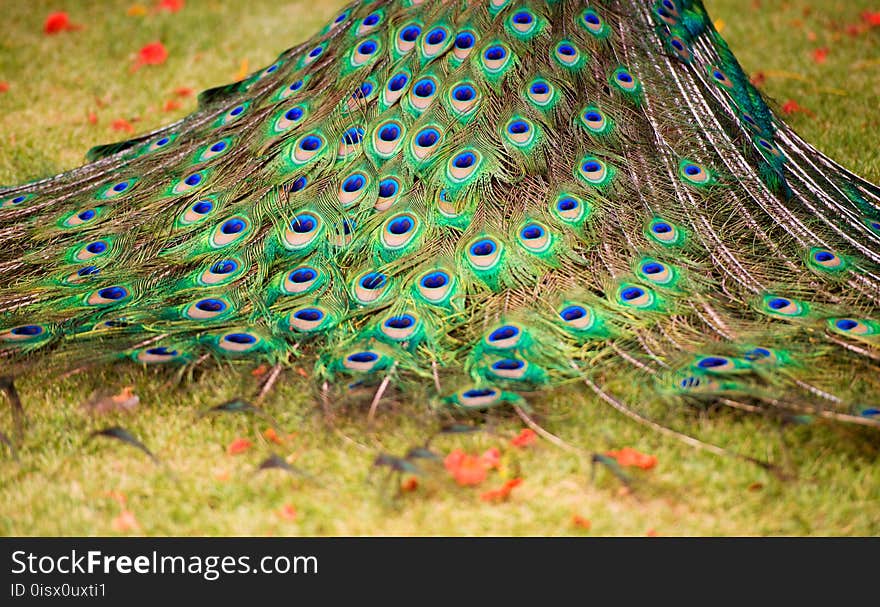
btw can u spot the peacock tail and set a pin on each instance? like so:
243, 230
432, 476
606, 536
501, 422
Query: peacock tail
474, 201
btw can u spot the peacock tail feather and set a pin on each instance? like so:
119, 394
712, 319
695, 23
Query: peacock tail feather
477, 200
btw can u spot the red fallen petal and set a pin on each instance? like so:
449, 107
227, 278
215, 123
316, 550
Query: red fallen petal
154, 53
525, 438
503, 493
239, 446
791, 106
57, 22
183, 91
758, 79
93, 118
630, 457
172, 6
872, 18
171, 105
454, 459
287, 512
820, 55
126, 521
4, 86
121, 124
492, 458
579, 521
409, 484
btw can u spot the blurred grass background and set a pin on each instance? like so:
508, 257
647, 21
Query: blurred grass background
65, 486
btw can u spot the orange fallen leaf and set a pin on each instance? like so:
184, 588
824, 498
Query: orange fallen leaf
287, 512
758, 79
171, 6
242, 71
183, 91
126, 521
409, 484
4, 86
630, 457
525, 438
222, 475
652, 533
501, 494
301, 372
153, 53
260, 371
93, 118
579, 521
117, 496
136, 10
239, 446
171, 105
465, 469
492, 458
121, 124
59, 22
272, 436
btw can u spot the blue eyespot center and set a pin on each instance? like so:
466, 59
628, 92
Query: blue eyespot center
387, 188
631, 293
410, 33
652, 268
85, 215
436, 36
232, 226
464, 41
540, 88
692, 170
27, 330
240, 338
400, 225
316, 51
121, 186
203, 207
88, 271
353, 184
224, 267
567, 204
480, 393
483, 248
294, 114
310, 143
161, 351
363, 357
778, 303
236, 111
661, 228
211, 305
371, 20
309, 314
353, 136
373, 281
712, 362
592, 166
424, 88
592, 19
572, 313
523, 18
389, 132
464, 161
193, 180
303, 275
508, 364
846, 324
404, 321
163, 141
97, 247
397, 82
298, 184
824, 256
567, 50
303, 224
495, 53
464, 92
367, 48
435, 280
504, 333
427, 138
592, 116
624, 77
113, 293
532, 232
518, 127
219, 146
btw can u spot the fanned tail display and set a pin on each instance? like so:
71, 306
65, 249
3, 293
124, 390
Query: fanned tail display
477, 201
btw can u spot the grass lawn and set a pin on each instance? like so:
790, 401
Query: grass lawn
64, 485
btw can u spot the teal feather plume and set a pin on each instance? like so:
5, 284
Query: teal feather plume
481, 199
